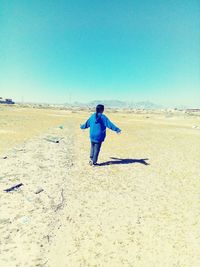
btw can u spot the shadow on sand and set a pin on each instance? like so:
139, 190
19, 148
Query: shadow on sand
124, 161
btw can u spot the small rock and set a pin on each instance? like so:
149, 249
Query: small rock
39, 190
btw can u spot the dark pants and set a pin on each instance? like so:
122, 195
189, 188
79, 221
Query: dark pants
94, 152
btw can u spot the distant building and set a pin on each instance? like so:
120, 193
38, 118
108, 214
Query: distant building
6, 101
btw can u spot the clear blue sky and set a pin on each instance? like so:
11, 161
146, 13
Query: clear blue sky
129, 50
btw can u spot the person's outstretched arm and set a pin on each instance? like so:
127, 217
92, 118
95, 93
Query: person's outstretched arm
111, 126
85, 125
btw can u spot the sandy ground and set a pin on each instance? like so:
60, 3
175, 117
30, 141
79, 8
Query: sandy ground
139, 208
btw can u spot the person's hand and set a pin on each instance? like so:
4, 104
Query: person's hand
83, 130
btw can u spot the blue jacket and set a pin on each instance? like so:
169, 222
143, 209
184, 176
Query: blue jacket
98, 127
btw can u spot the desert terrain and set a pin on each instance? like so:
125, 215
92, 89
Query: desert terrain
139, 208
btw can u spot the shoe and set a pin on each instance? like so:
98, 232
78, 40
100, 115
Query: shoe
91, 163
95, 164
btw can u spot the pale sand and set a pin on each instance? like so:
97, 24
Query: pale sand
114, 215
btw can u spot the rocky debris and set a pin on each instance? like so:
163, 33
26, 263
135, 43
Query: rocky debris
17, 186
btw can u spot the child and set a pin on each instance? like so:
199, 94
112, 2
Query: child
98, 123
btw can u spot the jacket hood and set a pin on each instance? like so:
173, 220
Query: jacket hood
98, 117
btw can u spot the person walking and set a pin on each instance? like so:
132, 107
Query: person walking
98, 123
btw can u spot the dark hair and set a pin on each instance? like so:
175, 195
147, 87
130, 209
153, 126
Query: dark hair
99, 109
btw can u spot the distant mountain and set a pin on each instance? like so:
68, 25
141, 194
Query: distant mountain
119, 104
108, 103
146, 105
